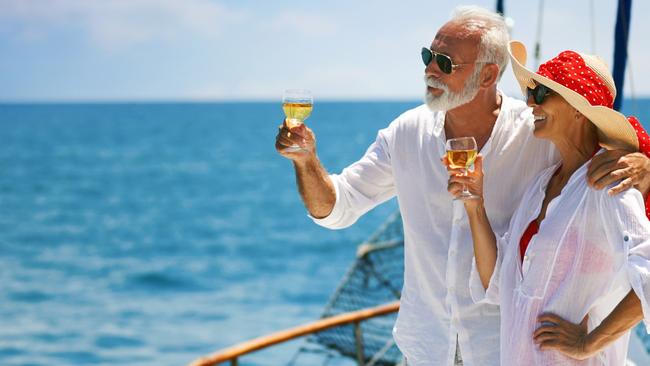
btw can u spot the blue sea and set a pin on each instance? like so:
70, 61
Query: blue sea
153, 234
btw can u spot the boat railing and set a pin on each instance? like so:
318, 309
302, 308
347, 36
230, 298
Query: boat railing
355, 318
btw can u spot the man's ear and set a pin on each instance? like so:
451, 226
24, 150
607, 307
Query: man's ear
489, 75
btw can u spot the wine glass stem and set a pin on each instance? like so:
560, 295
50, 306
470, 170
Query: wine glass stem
465, 191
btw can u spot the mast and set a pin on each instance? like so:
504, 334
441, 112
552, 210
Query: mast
500, 9
621, 34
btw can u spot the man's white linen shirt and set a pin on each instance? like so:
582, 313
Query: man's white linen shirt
405, 160
591, 248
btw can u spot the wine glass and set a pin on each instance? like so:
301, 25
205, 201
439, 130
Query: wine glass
297, 105
461, 153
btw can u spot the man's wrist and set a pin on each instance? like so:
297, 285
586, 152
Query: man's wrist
644, 189
643, 185
304, 162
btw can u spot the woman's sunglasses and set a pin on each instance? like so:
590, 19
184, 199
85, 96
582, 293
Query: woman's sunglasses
443, 61
539, 93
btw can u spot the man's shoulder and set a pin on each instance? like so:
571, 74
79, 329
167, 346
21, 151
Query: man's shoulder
417, 114
411, 120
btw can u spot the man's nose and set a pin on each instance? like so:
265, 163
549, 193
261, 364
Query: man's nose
432, 69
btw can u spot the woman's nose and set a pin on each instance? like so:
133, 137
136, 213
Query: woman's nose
531, 101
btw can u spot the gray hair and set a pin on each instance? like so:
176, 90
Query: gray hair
494, 33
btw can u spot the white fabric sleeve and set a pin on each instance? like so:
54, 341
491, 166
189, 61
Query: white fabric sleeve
362, 186
489, 295
629, 227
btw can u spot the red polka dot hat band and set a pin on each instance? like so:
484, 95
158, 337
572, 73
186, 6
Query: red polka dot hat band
569, 69
585, 83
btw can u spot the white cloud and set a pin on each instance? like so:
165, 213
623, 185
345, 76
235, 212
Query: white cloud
117, 23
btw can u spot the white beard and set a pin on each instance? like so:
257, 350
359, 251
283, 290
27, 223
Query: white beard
450, 100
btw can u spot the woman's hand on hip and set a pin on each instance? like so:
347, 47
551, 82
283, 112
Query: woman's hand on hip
563, 336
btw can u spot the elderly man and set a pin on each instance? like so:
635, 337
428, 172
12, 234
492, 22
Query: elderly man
437, 318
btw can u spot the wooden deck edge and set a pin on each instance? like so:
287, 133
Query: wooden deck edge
256, 344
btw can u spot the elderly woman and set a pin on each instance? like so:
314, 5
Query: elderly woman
572, 274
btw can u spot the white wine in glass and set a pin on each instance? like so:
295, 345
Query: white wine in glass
297, 105
461, 153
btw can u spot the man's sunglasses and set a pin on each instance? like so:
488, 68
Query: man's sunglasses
444, 62
539, 93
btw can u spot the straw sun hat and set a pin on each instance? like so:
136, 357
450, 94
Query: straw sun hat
585, 83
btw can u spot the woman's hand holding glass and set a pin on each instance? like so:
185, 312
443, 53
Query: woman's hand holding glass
461, 152
469, 179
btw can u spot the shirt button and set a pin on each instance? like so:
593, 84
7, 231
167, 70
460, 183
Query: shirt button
451, 289
452, 252
525, 258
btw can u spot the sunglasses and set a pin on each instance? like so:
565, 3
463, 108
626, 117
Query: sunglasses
443, 61
539, 93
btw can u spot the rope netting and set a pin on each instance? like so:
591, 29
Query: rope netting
375, 278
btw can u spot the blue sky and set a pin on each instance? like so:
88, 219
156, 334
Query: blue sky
121, 50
